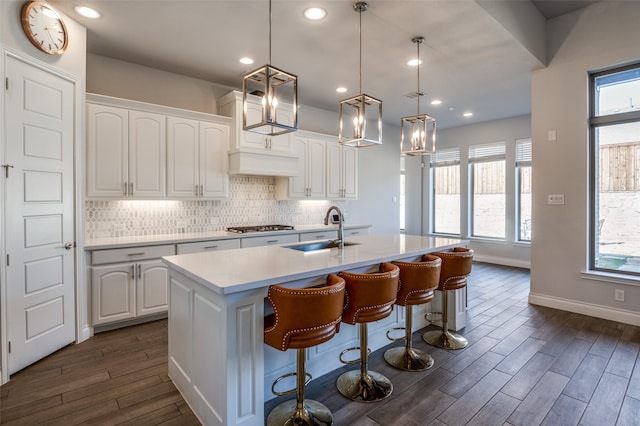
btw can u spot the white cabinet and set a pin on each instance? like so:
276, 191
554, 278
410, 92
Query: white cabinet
310, 181
202, 246
126, 153
331, 234
253, 153
231, 105
269, 240
342, 171
128, 283
197, 159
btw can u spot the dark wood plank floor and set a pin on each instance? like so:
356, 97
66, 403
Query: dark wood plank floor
525, 365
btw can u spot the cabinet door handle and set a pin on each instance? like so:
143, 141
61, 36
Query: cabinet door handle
126, 189
136, 254
131, 189
201, 190
272, 241
139, 270
209, 247
133, 271
196, 190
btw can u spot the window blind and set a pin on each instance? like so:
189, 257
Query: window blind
487, 152
523, 152
446, 157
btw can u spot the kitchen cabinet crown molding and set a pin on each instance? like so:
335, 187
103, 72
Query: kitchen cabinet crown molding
95, 98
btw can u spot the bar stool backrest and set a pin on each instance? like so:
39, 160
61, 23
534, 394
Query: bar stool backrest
418, 280
456, 267
370, 297
304, 317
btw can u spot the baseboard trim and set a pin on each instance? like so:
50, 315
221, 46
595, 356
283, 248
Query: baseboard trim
505, 261
598, 311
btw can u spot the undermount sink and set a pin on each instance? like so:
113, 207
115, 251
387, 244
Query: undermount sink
318, 245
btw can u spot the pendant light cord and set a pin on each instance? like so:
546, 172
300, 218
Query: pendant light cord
269, 33
360, 37
419, 93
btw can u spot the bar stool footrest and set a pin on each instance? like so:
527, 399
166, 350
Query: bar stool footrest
312, 414
395, 339
353, 361
370, 387
290, 391
428, 315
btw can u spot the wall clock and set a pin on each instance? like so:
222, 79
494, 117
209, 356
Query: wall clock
44, 28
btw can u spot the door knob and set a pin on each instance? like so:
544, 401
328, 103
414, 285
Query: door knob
69, 246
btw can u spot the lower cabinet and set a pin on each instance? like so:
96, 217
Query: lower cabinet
128, 283
269, 240
202, 246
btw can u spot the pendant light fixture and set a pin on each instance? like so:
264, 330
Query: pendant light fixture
276, 91
360, 117
418, 132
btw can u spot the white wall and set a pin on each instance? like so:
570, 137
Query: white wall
378, 172
508, 130
600, 36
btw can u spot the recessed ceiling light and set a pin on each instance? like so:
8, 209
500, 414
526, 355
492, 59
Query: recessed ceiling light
87, 12
246, 61
315, 13
341, 89
468, 114
436, 102
414, 62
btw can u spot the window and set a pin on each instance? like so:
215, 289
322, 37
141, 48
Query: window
402, 194
445, 181
614, 193
488, 198
523, 188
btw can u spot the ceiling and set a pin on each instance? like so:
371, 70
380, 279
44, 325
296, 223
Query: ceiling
477, 57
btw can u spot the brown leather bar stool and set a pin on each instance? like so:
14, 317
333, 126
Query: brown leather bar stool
302, 318
418, 280
456, 267
369, 297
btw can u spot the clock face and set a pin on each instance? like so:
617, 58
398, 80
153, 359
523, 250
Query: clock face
44, 28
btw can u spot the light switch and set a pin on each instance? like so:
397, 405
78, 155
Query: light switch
555, 199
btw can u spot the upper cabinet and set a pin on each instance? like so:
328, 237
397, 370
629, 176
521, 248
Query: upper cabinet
197, 159
310, 181
254, 153
126, 153
138, 150
342, 171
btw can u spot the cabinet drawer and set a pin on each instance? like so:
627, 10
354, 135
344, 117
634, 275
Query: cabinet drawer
131, 254
357, 231
202, 246
269, 240
320, 235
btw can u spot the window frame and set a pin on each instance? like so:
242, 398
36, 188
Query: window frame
595, 122
446, 161
522, 160
500, 149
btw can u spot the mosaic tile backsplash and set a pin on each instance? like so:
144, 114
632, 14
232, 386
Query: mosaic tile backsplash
251, 202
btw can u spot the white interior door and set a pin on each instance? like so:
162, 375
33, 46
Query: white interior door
39, 208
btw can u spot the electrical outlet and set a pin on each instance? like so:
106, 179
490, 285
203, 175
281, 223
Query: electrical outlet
555, 199
619, 295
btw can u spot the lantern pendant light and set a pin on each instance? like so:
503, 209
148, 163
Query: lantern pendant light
418, 132
360, 117
276, 91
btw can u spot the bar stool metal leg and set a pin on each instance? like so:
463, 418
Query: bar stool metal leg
444, 338
407, 358
364, 385
300, 411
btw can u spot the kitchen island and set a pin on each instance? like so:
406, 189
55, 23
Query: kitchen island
217, 358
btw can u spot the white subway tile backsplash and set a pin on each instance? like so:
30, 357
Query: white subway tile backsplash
251, 202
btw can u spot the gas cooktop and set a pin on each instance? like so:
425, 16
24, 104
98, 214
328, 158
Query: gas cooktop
259, 228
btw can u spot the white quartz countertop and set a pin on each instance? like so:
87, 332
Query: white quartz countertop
232, 271
188, 237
